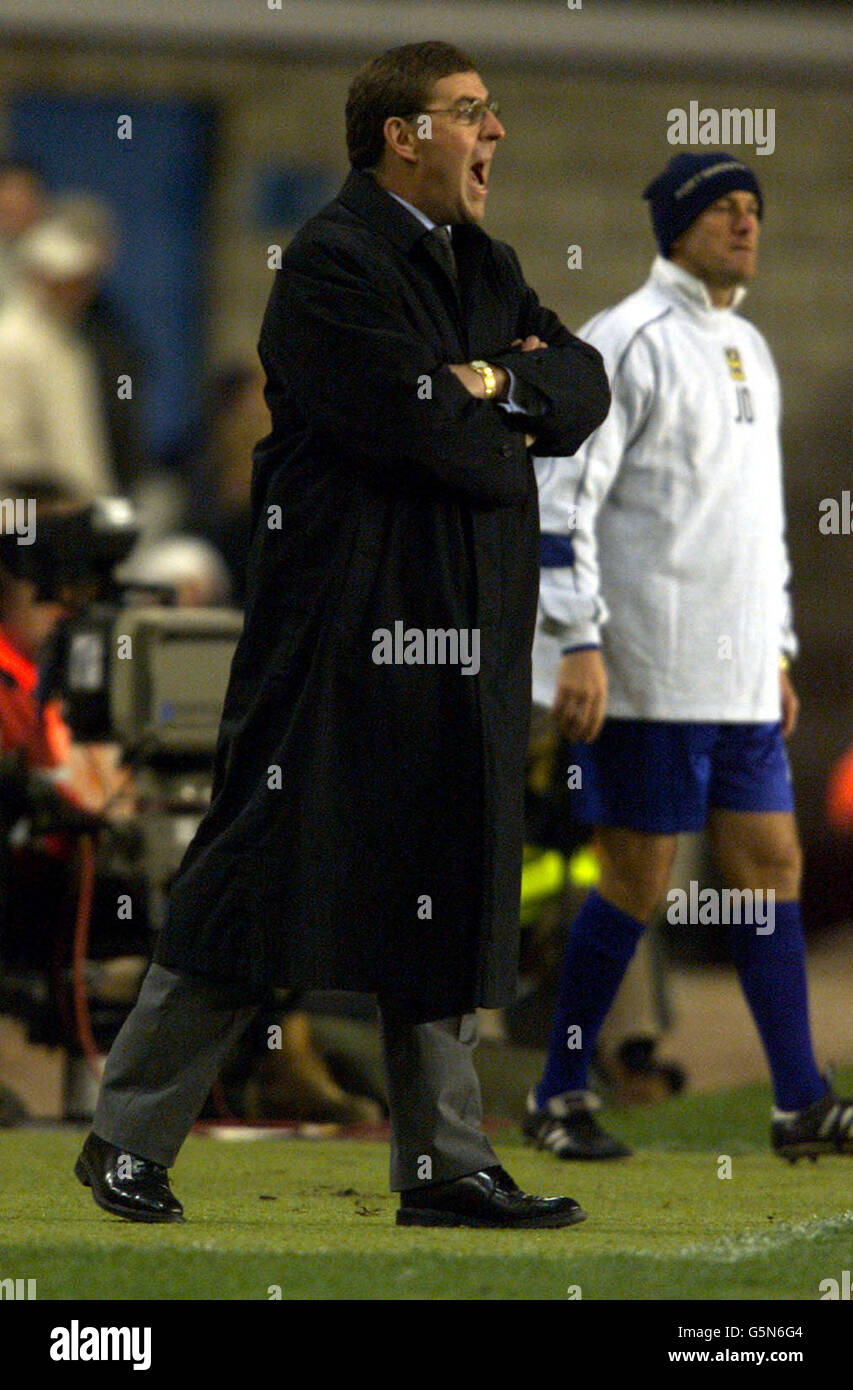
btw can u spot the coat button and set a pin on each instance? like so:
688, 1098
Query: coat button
506, 450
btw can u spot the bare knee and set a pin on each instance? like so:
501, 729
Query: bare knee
760, 852
780, 868
635, 870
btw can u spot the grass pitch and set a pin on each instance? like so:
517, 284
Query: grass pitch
315, 1220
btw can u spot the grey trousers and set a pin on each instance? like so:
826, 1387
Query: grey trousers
182, 1028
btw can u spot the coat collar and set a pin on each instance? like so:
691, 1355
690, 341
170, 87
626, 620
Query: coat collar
678, 284
416, 212
363, 196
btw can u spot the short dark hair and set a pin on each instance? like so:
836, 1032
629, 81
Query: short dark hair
397, 83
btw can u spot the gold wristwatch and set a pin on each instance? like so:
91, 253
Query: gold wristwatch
485, 371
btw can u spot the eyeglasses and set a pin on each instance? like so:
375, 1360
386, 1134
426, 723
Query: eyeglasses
465, 112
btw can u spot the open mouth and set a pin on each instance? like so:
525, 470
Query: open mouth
478, 175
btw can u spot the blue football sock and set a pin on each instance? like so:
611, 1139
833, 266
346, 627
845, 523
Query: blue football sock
772, 972
602, 940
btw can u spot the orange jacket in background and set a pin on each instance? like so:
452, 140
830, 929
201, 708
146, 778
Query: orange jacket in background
839, 794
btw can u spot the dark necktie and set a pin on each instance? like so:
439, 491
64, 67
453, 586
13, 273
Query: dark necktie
442, 248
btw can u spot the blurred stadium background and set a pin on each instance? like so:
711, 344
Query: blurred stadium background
237, 137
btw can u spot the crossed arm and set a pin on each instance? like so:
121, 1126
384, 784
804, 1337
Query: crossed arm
346, 352
475, 385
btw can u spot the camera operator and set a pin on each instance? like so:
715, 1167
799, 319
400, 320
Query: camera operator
87, 775
46, 780
64, 569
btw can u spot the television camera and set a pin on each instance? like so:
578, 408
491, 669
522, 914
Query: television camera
135, 671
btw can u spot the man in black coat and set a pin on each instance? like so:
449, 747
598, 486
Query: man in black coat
365, 829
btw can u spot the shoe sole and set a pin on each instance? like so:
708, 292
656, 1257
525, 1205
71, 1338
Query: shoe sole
408, 1217
83, 1175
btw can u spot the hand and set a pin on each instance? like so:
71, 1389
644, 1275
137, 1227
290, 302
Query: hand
99, 782
581, 696
790, 704
529, 344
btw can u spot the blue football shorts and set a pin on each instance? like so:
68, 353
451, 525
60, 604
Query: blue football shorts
661, 777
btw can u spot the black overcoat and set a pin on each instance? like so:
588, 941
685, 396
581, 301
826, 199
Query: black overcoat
365, 828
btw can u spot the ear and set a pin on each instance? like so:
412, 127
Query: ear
400, 138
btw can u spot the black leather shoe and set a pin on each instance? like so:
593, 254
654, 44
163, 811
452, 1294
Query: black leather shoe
487, 1198
125, 1185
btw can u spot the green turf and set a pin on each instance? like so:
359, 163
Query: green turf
315, 1218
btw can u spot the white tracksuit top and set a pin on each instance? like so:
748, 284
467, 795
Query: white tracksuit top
663, 537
